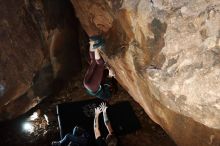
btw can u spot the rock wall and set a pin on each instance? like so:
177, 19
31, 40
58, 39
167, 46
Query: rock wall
39, 48
166, 55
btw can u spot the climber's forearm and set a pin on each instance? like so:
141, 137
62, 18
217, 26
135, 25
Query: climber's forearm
105, 117
107, 123
96, 126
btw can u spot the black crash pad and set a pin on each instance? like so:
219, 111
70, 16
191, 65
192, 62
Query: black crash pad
121, 115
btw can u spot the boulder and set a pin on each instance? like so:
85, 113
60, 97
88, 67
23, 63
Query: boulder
21, 54
166, 55
39, 50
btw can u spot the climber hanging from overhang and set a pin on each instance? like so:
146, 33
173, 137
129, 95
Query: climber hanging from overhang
98, 79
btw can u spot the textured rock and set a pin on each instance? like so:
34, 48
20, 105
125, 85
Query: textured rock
166, 55
21, 54
37, 48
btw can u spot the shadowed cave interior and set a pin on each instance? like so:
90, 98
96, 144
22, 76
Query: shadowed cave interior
68, 55
165, 55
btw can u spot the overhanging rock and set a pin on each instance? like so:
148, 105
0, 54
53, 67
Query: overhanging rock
166, 55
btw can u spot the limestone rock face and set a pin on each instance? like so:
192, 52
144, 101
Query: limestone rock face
34, 52
166, 54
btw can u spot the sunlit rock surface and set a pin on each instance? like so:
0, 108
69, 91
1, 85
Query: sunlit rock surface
166, 54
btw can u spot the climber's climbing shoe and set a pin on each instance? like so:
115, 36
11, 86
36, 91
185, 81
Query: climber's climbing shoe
98, 41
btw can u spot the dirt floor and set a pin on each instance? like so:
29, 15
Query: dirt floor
11, 132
